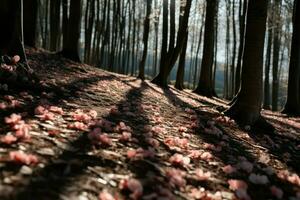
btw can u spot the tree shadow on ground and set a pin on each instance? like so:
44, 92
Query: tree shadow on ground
52, 181
238, 147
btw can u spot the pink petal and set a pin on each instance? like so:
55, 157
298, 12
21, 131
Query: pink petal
237, 184
8, 139
228, 169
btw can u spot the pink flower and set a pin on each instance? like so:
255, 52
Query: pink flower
78, 126
132, 185
81, 117
47, 116
176, 177
15, 59
276, 192
23, 158
228, 169
237, 184
206, 156
182, 129
105, 195
195, 154
8, 139
13, 119
40, 110
126, 136
140, 153
179, 160
3, 106
201, 175
56, 109
93, 114
258, 179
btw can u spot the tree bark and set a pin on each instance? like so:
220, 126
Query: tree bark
30, 22
247, 105
205, 82
292, 105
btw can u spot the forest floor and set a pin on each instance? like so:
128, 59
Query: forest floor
93, 134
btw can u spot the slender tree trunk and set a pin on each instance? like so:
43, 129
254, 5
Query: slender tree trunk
54, 23
292, 105
145, 40
247, 105
179, 84
205, 82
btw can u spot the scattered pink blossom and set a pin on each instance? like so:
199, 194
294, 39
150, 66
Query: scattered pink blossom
93, 114
132, 185
40, 110
201, 175
235, 184
78, 126
206, 156
182, 129
13, 119
176, 177
8, 139
229, 169
276, 192
56, 109
105, 195
126, 136
179, 160
23, 158
140, 153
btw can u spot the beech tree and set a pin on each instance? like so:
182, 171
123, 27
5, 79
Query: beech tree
30, 22
72, 32
205, 86
292, 105
247, 105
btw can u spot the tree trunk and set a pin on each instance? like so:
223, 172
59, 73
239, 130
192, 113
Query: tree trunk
247, 105
179, 84
242, 19
276, 50
30, 22
71, 47
292, 105
205, 82
54, 23
145, 40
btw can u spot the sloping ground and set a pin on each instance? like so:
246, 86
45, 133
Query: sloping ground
90, 134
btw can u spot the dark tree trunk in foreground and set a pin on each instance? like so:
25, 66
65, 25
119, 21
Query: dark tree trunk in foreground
30, 22
71, 45
205, 82
11, 35
247, 105
145, 40
292, 105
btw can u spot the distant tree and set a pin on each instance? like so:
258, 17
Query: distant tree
170, 56
247, 105
30, 22
54, 24
292, 105
145, 39
205, 82
266, 102
72, 34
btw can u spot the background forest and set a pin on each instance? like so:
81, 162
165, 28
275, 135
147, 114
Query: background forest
112, 33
